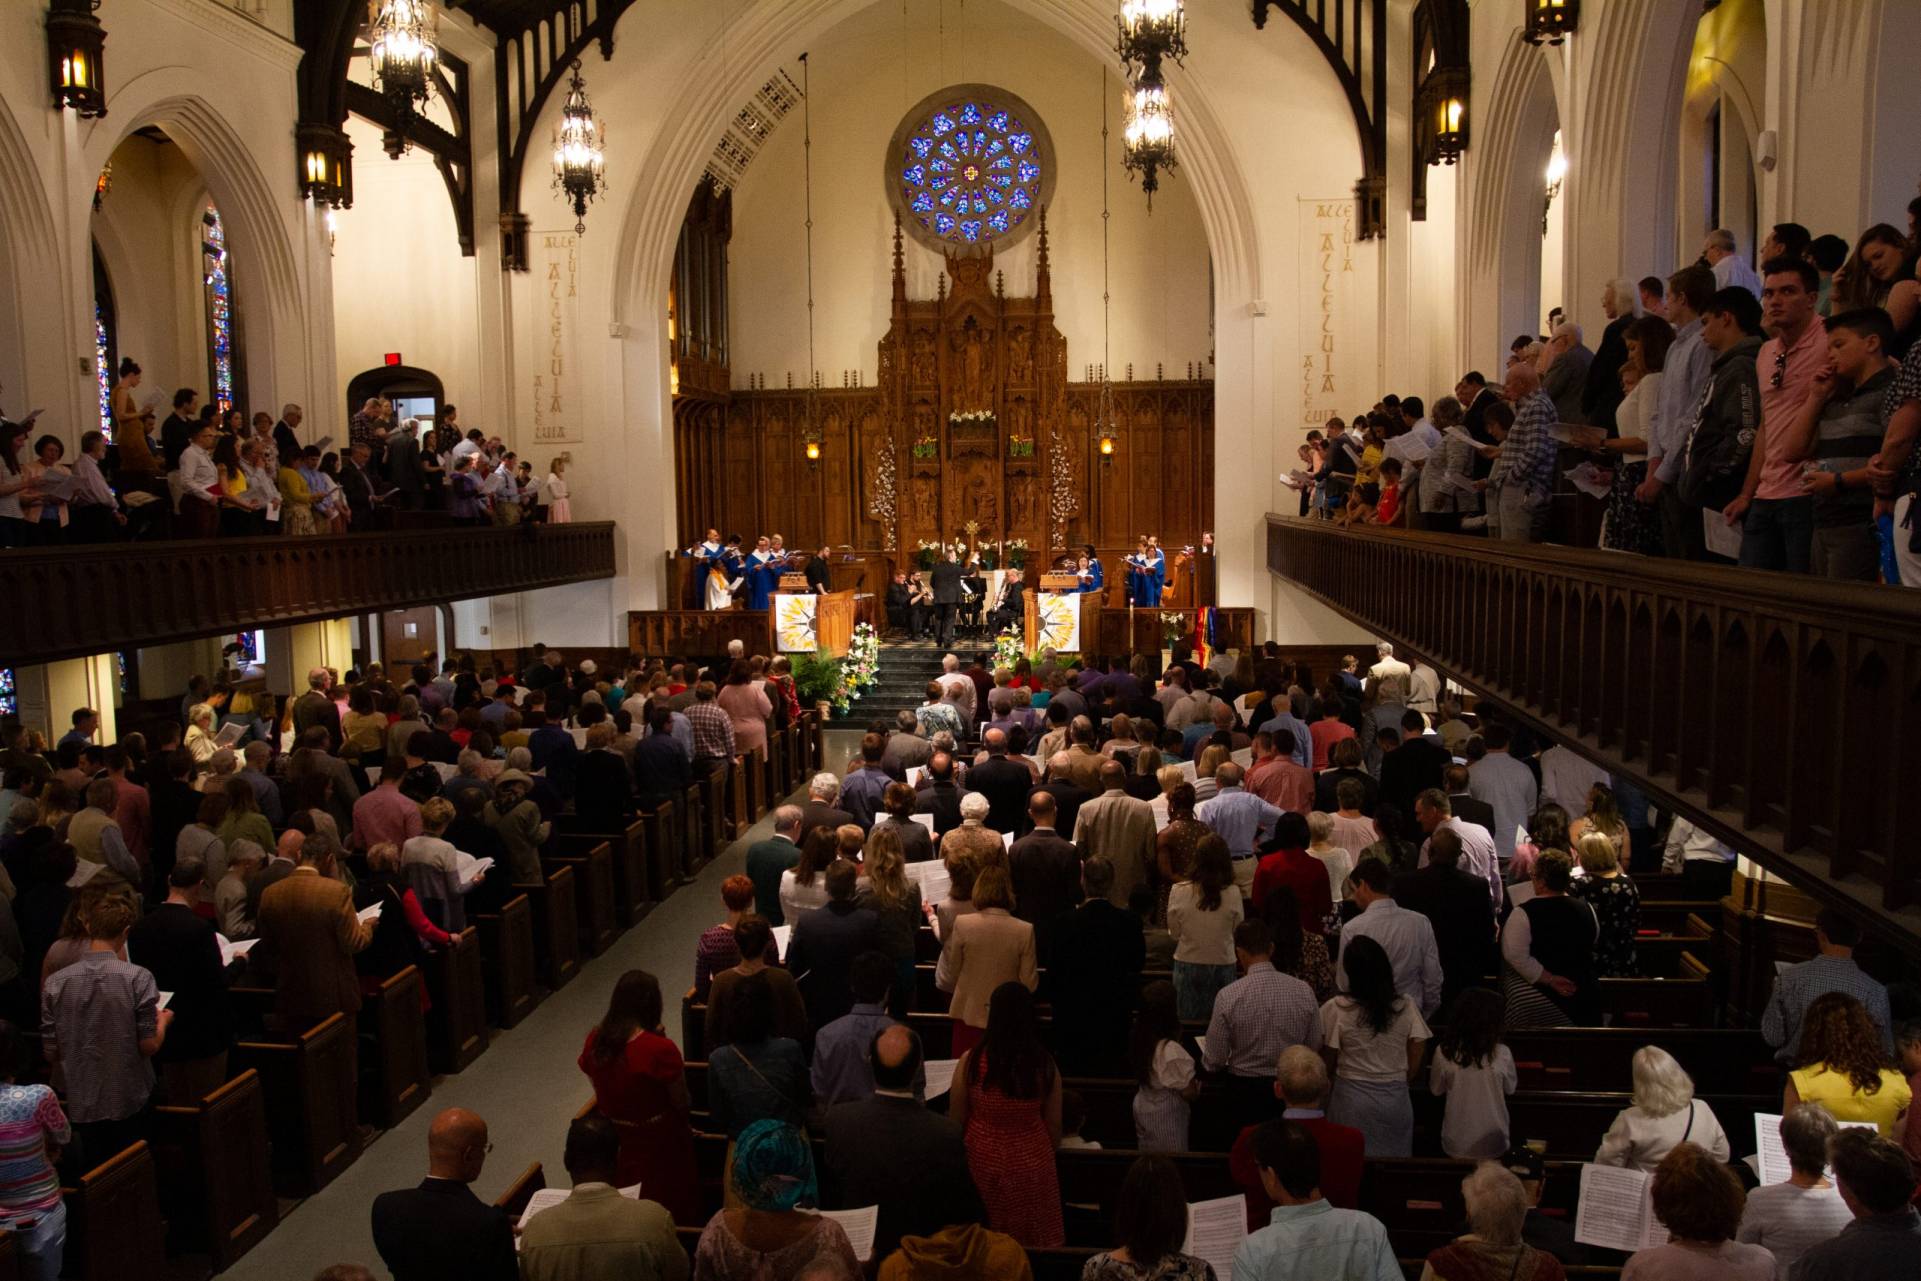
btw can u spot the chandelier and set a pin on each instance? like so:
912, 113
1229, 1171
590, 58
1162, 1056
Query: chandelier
1151, 30
1147, 134
402, 38
580, 154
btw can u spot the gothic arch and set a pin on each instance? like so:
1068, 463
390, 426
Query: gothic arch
1505, 201
29, 257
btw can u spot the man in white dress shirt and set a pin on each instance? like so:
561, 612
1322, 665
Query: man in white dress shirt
1407, 938
1432, 809
1731, 269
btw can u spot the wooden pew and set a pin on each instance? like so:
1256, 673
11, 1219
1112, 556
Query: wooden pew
310, 1088
1731, 1060
660, 829
695, 847
457, 1021
507, 961
593, 869
556, 926
754, 765
397, 1080
635, 892
717, 827
114, 1230
215, 1173
514, 1200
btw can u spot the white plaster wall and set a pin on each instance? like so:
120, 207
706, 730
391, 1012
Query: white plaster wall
1159, 264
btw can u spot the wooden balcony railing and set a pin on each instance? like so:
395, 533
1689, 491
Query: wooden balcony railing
70, 601
1781, 712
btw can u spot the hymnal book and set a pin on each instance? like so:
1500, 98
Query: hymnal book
1615, 1211
1215, 1229
470, 869
859, 1225
940, 1076
1772, 1156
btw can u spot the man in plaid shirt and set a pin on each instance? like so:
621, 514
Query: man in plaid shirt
713, 732
1523, 474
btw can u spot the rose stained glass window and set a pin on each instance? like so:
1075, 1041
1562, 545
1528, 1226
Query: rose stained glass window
970, 167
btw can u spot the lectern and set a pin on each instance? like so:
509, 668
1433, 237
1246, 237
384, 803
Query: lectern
1053, 613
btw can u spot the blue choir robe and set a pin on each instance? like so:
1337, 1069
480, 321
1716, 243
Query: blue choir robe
1153, 579
762, 579
1091, 581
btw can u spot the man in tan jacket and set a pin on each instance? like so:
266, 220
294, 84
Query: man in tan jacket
307, 923
1119, 828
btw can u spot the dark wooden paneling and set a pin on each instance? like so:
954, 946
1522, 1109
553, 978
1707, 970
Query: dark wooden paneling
94, 600
1835, 669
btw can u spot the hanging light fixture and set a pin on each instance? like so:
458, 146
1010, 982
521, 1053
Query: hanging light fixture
76, 44
1151, 30
403, 45
1556, 175
1551, 21
580, 155
810, 429
1104, 403
326, 165
1147, 134
1443, 97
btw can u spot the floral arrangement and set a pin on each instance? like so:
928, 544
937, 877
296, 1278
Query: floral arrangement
1016, 552
926, 447
974, 418
840, 682
927, 553
1020, 446
1009, 648
1173, 627
1062, 502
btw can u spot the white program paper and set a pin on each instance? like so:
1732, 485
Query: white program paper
370, 913
940, 1076
1189, 772
1242, 758
83, 871
926, 821
782, 935
859, 1225
1587, 479
1721, 538
230, 733
914, 774
470, 869
446, 770
1772, 1156
164, 998
1615, 1211
231, 951
548, 1198
1215, 1229
1007, 840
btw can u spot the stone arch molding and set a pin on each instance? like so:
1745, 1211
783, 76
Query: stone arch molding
1505, 203
267, 271
677, 156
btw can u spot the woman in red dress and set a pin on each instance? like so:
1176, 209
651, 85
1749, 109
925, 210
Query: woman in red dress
1007, 1101
640, 1084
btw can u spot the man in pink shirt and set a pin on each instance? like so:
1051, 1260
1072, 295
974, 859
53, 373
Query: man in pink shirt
384, 814
132, 809
1275, 778
1778, 529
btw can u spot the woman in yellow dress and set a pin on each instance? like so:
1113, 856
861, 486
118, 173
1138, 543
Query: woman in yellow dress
1845, 1067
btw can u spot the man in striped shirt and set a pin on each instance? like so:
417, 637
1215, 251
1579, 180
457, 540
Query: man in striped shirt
1523, 475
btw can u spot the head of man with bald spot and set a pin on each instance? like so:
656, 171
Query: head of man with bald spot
896, 1060
1059, 766
456, 1146
1113, 777
995, 741
1523, 380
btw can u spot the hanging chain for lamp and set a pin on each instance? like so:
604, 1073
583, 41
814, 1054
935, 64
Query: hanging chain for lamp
1104, 405
404, 50
580, 151
1150, 31
810, 433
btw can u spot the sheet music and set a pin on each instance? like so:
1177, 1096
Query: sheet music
934, 882
548, 1198
914, 774
1242, 758
859, 1225
1773, 1157
445, 770
231, 951
782, 935
940, 1076
1615, 1212
1187, 769
230, 733
1215, 1229
1587, 479
1566, 433
1413, 448
470, 869
1519, 893
926, 821
1461, 433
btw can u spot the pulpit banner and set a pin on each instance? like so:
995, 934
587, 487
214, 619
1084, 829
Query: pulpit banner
556, 336
795, 629
1057, 622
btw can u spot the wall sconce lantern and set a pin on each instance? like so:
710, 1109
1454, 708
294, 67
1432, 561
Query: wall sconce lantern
1551, 21
76, 57
326, 165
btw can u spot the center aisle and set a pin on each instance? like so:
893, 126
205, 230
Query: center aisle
526, 1086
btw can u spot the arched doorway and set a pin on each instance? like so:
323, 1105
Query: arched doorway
415, 393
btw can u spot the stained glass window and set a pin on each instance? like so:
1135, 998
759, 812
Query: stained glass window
971, 169
103, 370
9, 701
213, 254
253, 648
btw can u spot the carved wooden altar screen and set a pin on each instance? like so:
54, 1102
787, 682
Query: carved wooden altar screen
973, 420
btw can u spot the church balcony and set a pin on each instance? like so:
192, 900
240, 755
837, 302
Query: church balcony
1781, 713
67, 602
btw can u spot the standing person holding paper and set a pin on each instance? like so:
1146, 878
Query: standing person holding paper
640, 1085
441, 1231
1006, 1097
1151, 1220
985, 950
308, 926
597, 1234
178, 947
765, 1232
1699, 1201
1788, 1219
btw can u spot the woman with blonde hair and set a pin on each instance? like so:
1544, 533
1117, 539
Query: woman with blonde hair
1616, 903
1338, 860
559, 510
896, 903
1662, 1115
986, 948
1603, 816
200, 742
1211, 759
1497, 1205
